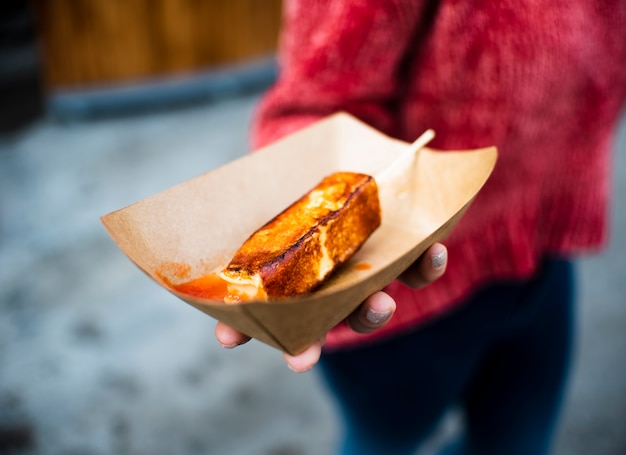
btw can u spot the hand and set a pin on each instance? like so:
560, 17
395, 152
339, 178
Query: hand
372, 314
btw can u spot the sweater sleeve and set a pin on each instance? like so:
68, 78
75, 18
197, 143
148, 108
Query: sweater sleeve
337, 55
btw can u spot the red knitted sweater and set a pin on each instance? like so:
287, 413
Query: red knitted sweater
544, 80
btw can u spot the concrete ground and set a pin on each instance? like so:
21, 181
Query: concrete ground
96, 359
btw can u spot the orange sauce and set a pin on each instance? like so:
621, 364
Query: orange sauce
206, 287
363, 266
209, 286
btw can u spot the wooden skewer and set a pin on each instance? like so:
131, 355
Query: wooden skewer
411, 150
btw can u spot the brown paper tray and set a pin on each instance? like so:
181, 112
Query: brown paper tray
195, 227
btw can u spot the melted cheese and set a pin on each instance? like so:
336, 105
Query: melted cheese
241, 289
326, 263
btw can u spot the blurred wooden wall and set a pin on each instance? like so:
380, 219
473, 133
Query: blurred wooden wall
96, 42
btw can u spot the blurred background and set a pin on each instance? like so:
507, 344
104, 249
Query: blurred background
104, 103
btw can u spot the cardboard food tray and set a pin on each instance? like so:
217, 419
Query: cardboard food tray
194, 228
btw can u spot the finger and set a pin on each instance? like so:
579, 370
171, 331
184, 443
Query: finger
429, 267
306, 359
373, 314
229, 337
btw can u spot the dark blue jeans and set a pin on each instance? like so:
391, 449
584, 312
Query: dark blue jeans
502, 357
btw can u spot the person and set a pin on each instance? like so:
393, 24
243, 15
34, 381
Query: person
545, 82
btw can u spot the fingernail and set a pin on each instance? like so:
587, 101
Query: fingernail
376, 317
296, 370
439, 260
233, 344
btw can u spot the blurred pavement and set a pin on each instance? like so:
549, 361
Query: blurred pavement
97, 359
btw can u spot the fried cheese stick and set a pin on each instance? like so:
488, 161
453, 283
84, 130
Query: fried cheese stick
296, 251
